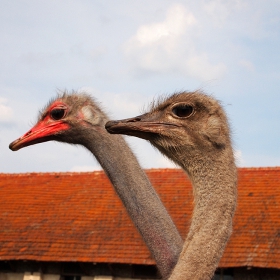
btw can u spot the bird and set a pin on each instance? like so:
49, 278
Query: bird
77, 118
191, 128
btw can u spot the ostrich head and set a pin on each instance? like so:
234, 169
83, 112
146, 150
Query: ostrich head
63, 120
187, 122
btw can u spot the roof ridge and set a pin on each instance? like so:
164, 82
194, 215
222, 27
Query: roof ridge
71, 173
260, 168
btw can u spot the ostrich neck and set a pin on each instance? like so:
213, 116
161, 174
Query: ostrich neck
139, 198
214, 187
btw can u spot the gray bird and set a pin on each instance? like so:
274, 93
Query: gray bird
191, 129
77, 119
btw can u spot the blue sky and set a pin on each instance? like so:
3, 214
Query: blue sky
126, 53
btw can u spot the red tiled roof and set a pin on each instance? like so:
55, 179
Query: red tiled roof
78, 217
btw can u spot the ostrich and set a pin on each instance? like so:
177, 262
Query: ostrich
77, 119
191, 129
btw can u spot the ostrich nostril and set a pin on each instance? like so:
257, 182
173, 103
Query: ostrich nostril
29, 132
136, 119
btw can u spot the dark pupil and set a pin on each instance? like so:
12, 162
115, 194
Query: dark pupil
57, 114
182, 111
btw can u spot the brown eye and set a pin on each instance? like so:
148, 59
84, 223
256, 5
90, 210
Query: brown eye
57, 114
182, 111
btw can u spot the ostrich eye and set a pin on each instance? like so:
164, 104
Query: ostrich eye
57, 114
182, 111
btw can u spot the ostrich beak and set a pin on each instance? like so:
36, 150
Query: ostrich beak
41, 132
145, 126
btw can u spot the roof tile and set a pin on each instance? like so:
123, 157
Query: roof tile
78, 217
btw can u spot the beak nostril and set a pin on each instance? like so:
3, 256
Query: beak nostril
136, 119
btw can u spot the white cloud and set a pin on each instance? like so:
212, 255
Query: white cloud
155, 46
6, 112
176, 23
170, 46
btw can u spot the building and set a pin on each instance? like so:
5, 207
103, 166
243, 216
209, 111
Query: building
72, 226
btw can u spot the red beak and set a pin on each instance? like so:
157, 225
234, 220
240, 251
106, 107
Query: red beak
41, 132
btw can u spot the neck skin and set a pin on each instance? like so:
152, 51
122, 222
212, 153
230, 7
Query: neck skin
214, 187
138, 196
